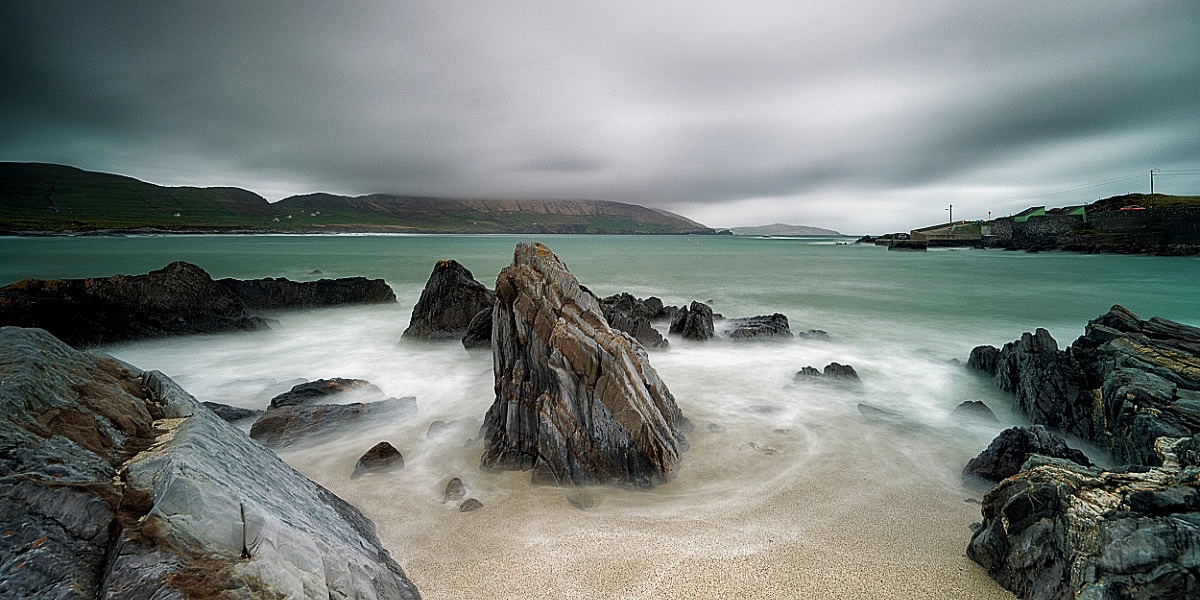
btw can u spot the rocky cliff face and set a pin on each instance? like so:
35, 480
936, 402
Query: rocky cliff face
1058, 530
576, 401
116, 483
450, 300
1123, 384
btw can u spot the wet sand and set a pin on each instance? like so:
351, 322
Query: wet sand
840, 511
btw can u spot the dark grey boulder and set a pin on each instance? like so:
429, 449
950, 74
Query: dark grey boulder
479, 331
634, 316
274, 293
759, 327
450, 300
469, 505
974, 410
232, 414
287, 425
381, 457
694, 322
833, 373
328, 390
455, 490
1005, 456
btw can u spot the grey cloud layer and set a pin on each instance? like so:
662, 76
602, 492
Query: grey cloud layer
807, 113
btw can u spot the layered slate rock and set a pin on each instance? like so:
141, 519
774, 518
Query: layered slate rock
633, 316
1058, 530
1122, 385
577, 402
273, 293
1010, 450
116, 483
695, 322
177, 299
450, 300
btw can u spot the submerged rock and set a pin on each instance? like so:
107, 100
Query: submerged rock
1011, 449
381, 457
321, 390
694, 322
577, 402
760, 327
833, 373
232, 414
1060, 530
287, 425
272, 293
450, 300
455, 490
974, 410
1122, 385
469, 505
177, 299
118, 484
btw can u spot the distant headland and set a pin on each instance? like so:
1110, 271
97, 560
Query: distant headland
1156, 224
48, 198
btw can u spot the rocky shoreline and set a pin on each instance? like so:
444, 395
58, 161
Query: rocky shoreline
576, 403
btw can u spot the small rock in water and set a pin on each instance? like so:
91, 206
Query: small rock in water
581, 500
381, 456
769, 451
469, 505
315, 272
974, 410
715, 428
455, 490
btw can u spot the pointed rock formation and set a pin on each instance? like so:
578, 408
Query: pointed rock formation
450, 300
577, 402
694, 322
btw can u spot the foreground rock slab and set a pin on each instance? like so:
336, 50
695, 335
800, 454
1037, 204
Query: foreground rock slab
1058, 530
577, 402
116, 483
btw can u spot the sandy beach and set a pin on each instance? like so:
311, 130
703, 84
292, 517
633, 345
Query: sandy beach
752, 514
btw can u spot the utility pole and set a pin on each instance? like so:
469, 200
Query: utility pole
1152, 181
951, 209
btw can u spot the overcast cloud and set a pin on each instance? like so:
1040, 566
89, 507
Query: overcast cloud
860, 115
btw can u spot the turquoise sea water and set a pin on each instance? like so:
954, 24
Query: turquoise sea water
761, 440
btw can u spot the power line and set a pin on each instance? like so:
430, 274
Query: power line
1063, 190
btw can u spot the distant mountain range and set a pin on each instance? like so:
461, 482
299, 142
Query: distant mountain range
40, 197
782, 229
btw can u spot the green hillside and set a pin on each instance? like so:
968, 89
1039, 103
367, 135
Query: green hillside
36, 197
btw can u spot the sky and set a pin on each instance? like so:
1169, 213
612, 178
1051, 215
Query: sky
863, 116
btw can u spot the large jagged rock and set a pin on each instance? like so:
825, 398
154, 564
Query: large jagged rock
177, 299
450, 300
577, 402
273, 293
1058, 530
116, 483
479, 331
694, 322
1122, 385
1013, 447
633, 316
